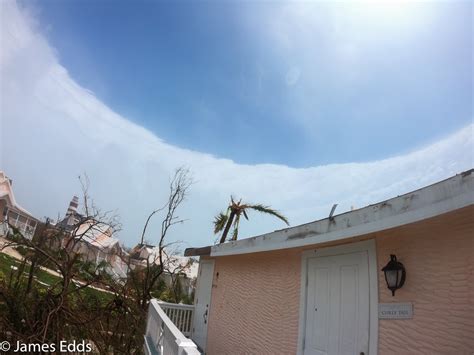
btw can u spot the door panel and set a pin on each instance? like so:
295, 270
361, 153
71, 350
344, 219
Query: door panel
317, 330
337, 305
349, 309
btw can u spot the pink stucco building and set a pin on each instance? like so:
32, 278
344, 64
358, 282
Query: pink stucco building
319, 288
12, 214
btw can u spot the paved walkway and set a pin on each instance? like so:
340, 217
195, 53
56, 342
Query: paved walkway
9, 250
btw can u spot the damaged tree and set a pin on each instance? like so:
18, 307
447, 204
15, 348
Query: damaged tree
53, 294
49, 297
144, 280
224, 221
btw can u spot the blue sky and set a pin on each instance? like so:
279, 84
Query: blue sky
287, 83
294, 105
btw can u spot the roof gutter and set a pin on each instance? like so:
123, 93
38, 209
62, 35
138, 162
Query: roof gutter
204, 251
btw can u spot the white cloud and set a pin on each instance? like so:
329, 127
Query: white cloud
53, 130
343, 49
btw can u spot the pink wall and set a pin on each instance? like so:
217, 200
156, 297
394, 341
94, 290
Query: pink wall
255, 302
255, 298
439, 258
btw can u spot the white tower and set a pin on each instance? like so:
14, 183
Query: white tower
72, 209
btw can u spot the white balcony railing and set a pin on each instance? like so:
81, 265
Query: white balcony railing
180, 314
163, 336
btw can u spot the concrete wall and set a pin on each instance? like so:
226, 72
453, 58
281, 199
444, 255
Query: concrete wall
255, 298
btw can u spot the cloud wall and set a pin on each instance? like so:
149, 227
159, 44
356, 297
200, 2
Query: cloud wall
52, 130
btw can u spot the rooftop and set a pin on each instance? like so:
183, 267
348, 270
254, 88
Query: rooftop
442, 197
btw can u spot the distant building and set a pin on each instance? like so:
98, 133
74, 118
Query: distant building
174, 265
141, 252
95, 241
72, 218
11, 213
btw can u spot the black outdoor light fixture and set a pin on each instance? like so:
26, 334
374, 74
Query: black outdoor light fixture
394, 274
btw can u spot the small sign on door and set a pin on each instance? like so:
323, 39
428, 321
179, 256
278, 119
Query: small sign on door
395, 310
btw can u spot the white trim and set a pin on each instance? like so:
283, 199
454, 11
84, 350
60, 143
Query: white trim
443, 197
198, 285
210, 261
370, 247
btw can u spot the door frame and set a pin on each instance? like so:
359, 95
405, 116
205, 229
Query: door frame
368, 246
198, 286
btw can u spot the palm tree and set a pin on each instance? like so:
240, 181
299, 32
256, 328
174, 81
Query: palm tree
223, 221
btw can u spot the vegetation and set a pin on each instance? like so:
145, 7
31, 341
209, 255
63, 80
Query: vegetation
224, 221
9, 266
79, 300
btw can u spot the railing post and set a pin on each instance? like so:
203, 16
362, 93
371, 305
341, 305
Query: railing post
186, 347
163, 331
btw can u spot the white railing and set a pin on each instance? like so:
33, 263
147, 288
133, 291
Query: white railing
163, 336
180, 314
25, 229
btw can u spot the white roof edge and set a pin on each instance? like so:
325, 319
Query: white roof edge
442, 197
22, 210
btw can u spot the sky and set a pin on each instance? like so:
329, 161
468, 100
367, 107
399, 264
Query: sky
295, 105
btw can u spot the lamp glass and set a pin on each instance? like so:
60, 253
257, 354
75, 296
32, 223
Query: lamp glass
392, 277
394, 274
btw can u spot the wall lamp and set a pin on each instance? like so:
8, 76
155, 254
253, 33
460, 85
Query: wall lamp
395, 274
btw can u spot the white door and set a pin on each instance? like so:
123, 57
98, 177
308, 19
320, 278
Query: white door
202, 302
337, 305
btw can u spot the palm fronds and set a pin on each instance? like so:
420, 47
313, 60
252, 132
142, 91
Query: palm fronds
223, 222
219, 222
267, 209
